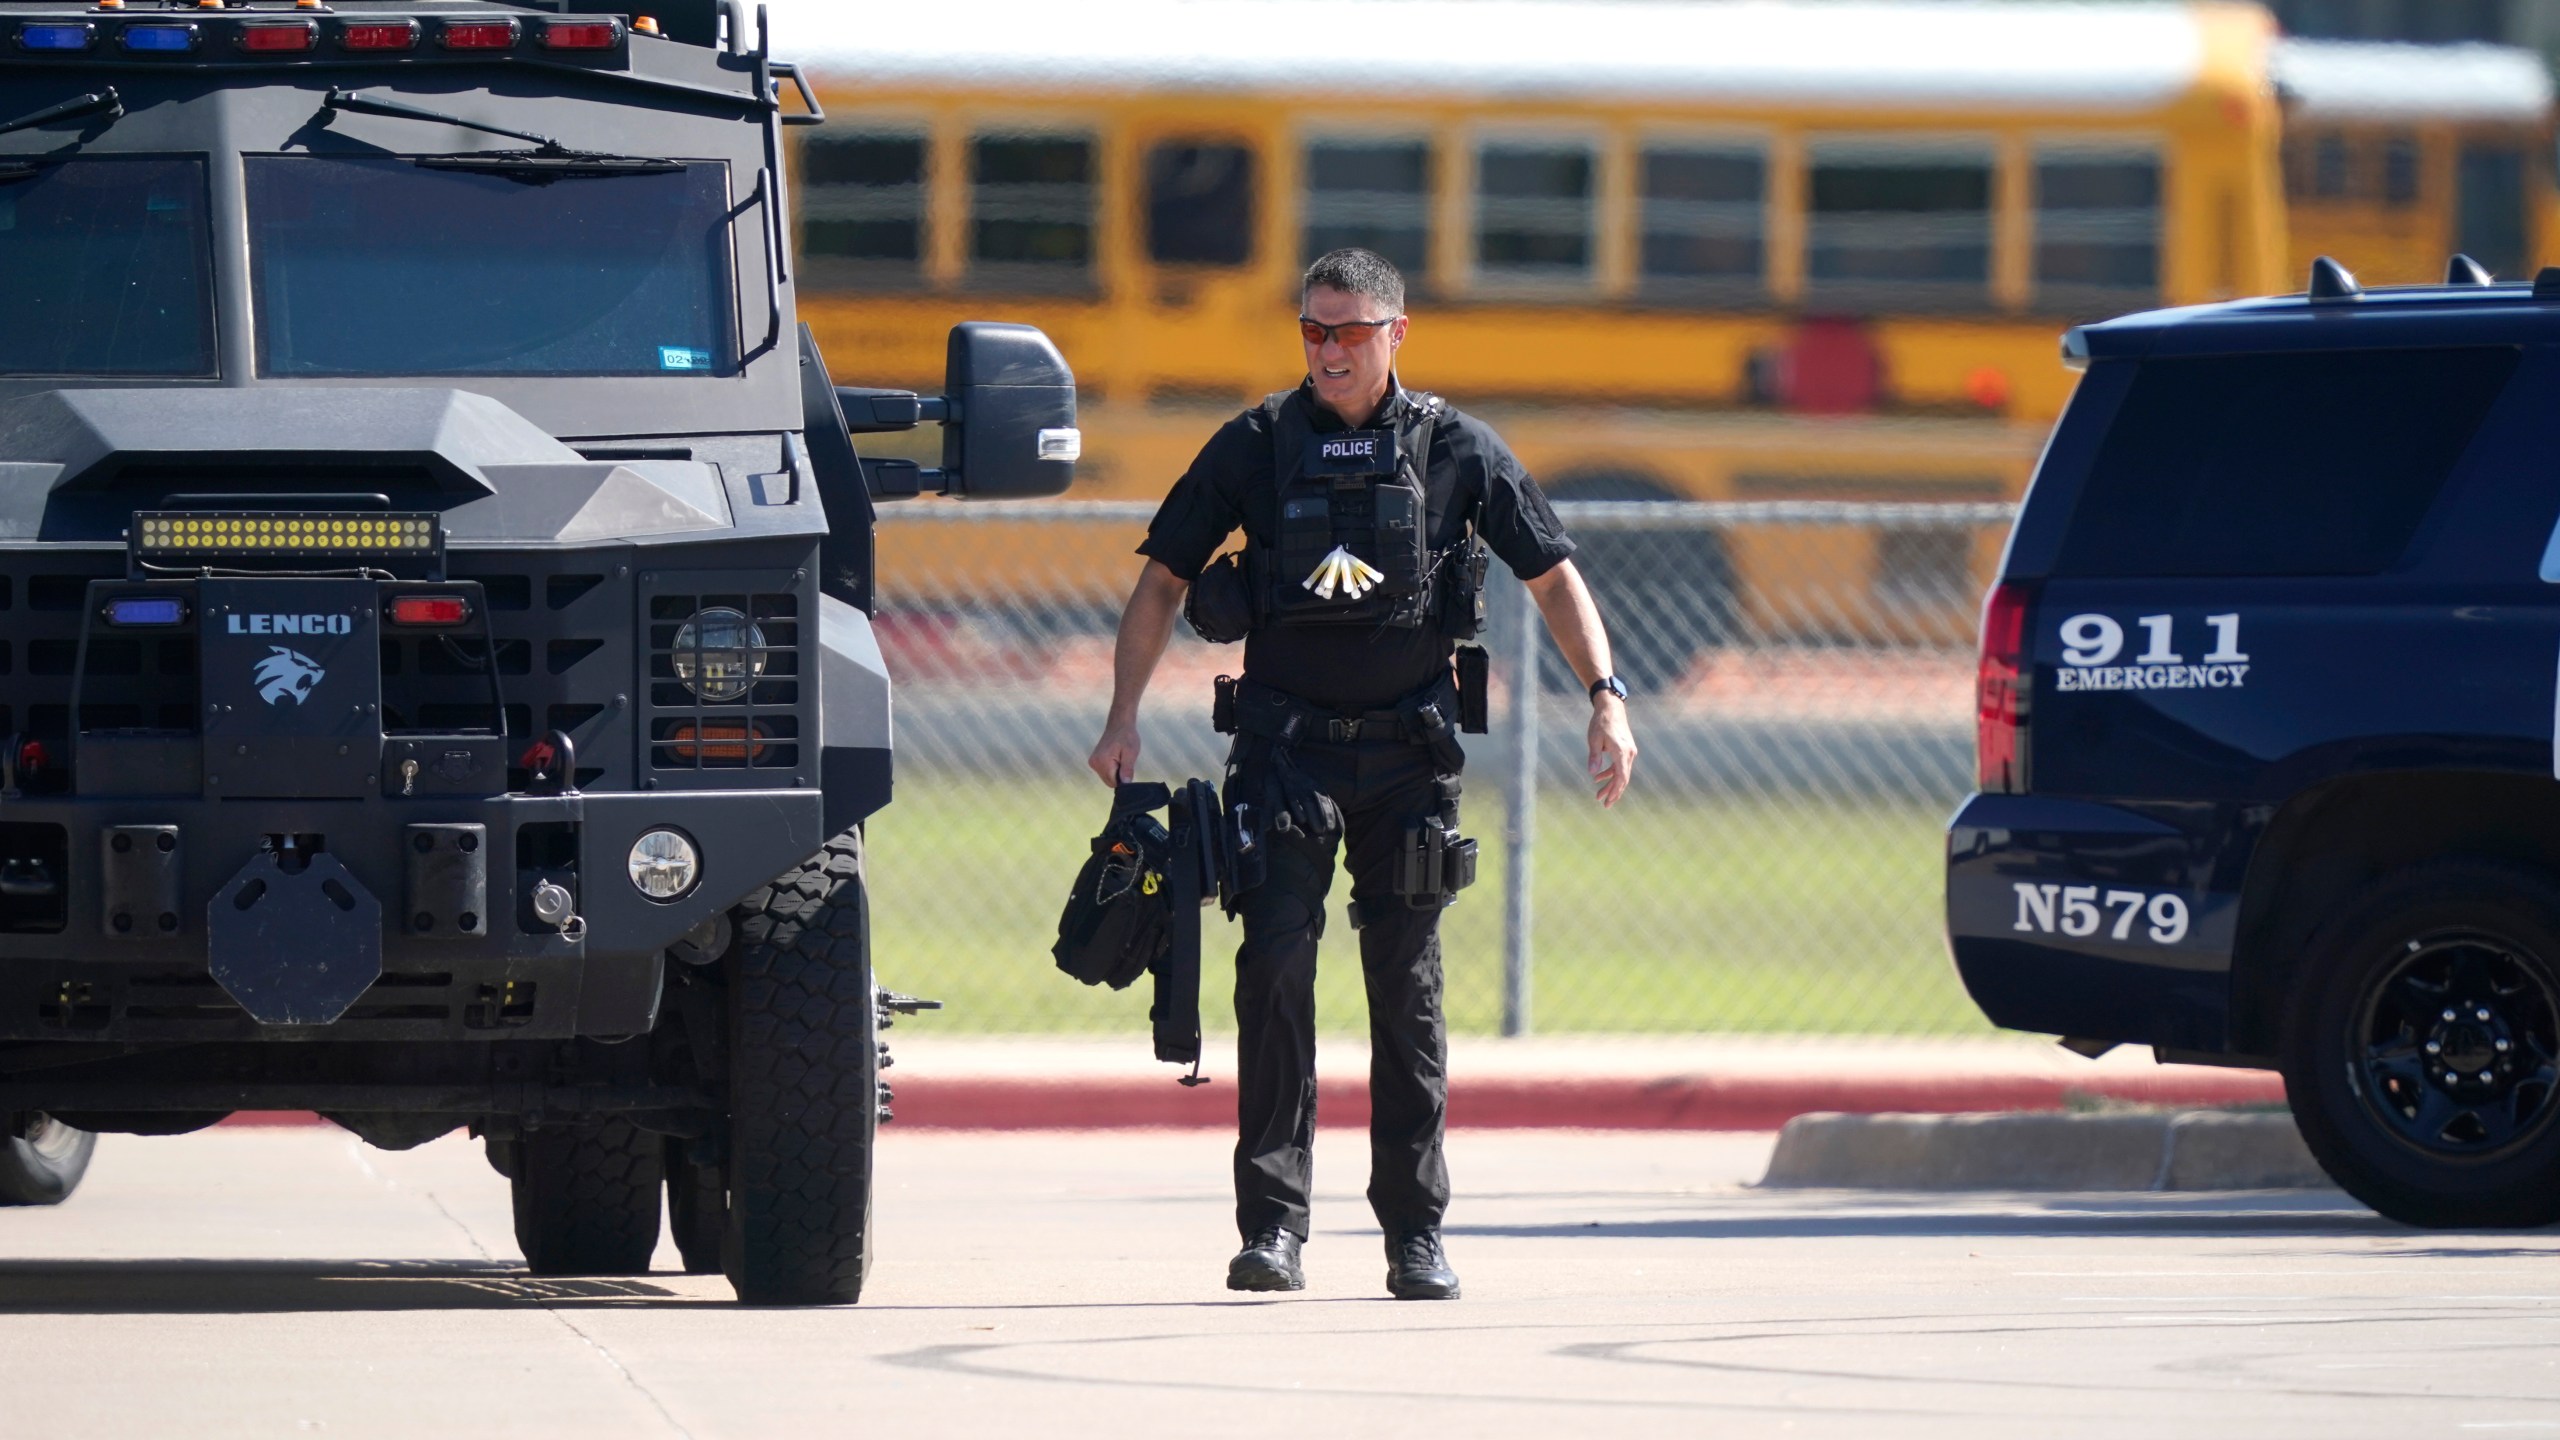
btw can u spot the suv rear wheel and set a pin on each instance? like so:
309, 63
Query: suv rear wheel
43, 1162
804, 1076
586, 1198
2422, 1053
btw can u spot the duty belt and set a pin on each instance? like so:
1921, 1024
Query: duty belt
1277, 715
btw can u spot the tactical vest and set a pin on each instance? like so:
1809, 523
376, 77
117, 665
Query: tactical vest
1351, 493
1354, 495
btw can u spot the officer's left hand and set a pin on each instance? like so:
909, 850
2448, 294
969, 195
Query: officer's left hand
1613, 750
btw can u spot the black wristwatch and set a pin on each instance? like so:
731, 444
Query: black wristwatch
1610, 683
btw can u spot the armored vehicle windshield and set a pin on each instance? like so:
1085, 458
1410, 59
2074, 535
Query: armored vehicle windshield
383, 265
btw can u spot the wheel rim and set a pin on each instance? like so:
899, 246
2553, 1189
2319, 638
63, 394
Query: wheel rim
2456, 1048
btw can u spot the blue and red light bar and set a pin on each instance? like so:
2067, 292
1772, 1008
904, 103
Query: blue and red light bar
266, 35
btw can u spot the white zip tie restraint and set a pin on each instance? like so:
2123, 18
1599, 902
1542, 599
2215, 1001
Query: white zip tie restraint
1341, 570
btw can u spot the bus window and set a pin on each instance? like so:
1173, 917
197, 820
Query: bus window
1896, 228
1199, 203
1533, 211
2332, 166
2400, 162
1703, 221
2097, 230
862, 208
1031, 210
1375, 194
2491, 220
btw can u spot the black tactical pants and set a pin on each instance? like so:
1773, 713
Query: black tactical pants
1381, 787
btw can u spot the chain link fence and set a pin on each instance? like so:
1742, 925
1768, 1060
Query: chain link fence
1803, 675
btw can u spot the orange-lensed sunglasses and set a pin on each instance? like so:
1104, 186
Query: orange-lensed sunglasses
1349, 332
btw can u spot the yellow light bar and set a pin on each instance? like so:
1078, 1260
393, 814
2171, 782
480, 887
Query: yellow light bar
269, 532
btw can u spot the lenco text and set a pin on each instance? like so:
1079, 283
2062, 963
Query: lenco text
290, 624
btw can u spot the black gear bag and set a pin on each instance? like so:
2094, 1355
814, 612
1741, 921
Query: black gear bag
1117, 918
1136, 905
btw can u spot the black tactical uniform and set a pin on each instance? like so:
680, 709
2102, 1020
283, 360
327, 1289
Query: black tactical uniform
1357, 692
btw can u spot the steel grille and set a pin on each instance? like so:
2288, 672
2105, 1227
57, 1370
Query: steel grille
560, 636
132, 684
746, 720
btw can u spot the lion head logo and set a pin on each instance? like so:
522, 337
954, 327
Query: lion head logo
287, 674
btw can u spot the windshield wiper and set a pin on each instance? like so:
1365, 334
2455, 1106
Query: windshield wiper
549, 160
105, 102
537, 166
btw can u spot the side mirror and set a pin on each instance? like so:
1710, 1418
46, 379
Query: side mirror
1007, 412
1014, 434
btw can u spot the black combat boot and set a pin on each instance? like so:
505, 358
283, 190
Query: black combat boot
1268, 1261
1418, 1269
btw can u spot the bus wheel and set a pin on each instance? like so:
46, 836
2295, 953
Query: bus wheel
804, 1108
43, 1162
1666, 595
2422, 1053
586, 1198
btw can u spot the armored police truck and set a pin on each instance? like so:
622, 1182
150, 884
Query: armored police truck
437, 688
2266, 726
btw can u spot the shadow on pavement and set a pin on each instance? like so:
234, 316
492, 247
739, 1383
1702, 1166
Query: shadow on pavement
2275, 1213
277, 1287
292, 1287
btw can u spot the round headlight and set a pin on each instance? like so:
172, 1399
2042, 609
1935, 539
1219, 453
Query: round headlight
664, 864
719, 653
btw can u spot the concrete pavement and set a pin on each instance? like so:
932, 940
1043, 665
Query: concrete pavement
292, 1282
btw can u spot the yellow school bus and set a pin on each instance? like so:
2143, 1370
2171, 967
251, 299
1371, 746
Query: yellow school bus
2398, 156
1671, 248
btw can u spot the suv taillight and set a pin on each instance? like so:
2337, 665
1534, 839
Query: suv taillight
2000, 691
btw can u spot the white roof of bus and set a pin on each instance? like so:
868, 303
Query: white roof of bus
1971, 54
2361, 80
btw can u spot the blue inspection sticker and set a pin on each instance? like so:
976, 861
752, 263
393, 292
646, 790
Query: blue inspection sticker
683, 357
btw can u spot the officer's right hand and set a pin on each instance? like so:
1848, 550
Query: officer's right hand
1115, 757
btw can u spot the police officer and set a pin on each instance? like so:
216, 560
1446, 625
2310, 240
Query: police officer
1367, 510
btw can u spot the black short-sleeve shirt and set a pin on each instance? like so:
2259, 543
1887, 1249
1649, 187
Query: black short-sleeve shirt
1469, 477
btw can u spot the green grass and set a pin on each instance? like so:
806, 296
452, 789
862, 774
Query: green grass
1667, 915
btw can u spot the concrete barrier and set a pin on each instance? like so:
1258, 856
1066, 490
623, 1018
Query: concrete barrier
2136, 1150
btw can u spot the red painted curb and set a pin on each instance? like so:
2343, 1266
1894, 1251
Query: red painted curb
1687, 1102
1682, 1102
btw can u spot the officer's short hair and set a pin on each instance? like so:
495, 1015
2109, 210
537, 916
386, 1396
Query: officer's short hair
1355, 271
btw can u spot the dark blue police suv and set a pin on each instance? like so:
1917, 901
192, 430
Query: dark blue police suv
2266, 730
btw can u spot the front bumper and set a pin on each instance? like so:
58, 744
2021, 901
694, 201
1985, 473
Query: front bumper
102, 960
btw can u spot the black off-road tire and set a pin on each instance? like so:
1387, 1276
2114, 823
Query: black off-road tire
697, 1208
2446, 939
586, 1198
804, 1074
46, 1164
